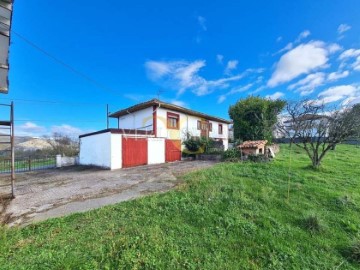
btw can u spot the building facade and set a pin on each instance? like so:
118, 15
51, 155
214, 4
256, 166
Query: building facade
173, 122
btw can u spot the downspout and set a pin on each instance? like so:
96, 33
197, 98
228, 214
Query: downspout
155, 119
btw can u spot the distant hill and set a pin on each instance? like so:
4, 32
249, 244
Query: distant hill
25, 143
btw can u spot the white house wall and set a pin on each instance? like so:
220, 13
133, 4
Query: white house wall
116, 151
188, 123
156, 150
161, 125
96, 150
140, 120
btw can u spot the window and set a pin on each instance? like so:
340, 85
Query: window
202, 125
220, 129
173, 120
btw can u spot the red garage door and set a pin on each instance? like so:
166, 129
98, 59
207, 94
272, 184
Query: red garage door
134, 152
172, 150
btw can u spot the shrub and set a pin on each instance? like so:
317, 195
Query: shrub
231, 155
206, 143
196, 144
192, 144
354, 252
258, 158
344, 201
312, 223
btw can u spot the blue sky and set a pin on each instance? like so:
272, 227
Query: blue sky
204, 55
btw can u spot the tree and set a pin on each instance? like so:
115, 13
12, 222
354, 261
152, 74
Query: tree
314, 128
254, 118
63, 144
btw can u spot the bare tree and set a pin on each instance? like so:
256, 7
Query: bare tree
63, 144
312, 127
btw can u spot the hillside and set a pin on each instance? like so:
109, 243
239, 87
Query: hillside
25, 143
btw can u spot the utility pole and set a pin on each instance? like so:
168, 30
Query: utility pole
12, 140
107, 116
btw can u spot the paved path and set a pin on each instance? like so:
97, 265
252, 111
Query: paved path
53, 193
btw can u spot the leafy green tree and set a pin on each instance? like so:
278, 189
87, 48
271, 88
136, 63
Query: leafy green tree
254, 117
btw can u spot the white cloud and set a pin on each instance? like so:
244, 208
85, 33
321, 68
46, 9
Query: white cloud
356, 64
202, 22
157, 69
279, 39
221, 99
34, 130
67, 130
343, 28
233, 91
259, 89
184, 75
350, 53
304, 34
290, 45
275, 96
220, 58
309, 83
334, 47
187, 75
337, 93
334, 76
345, 90
178, 103
30, 129
351, 100
300, 60
231, 65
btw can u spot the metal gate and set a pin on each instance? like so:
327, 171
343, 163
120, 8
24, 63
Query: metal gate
134, 152
172, 150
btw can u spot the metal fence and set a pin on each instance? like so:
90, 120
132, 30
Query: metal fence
28, 164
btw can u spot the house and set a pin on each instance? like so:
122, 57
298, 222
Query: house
173, 122
148, 133
253, 147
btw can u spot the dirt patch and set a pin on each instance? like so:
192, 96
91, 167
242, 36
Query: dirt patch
4, 216
53, 193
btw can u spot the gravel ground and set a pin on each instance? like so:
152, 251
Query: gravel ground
53, 193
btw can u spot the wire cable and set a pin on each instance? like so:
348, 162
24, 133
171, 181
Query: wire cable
69, 67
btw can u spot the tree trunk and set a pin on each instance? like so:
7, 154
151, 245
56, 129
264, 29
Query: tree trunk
316, 162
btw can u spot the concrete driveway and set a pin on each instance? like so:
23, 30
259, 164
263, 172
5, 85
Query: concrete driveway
53, 193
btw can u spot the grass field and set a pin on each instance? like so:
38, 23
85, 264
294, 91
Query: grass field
27, 164
232, 216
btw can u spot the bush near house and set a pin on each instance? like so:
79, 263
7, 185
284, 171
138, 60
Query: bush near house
255, 117
230, 216
198, 145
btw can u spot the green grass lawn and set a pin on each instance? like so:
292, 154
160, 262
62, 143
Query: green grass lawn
26, 165
231, 216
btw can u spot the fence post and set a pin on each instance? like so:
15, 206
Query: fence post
58, 161
29, 163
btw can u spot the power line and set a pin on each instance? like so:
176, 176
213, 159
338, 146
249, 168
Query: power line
69, 67
61, 120
56, 102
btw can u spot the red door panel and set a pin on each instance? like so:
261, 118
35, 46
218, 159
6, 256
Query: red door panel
172, 150
134, 152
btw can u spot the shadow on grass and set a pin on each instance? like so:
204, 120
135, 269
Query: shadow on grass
351, 252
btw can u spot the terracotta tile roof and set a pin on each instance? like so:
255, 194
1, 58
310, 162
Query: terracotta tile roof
252, 144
